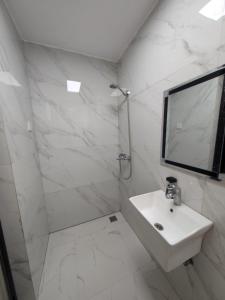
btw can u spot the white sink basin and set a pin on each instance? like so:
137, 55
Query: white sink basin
182, 231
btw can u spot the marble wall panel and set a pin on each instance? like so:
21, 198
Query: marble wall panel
77, 134
11, 224
16, 113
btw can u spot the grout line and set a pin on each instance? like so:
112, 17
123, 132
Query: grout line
64, 228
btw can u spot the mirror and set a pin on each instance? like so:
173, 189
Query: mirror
193, 124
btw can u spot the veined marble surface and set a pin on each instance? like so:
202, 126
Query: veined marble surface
172, 47
11, 224
28, 225
77, 134
100, 260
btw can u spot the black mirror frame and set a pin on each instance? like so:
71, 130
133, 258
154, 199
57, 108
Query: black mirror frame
219, 153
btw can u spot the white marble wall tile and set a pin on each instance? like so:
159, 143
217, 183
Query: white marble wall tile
73, 167
74, 205
11, 224
172, 47
77, 134
188, 284
16, 109
34, 215
211, 278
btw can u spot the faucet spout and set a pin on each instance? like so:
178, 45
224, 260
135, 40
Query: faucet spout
173, 191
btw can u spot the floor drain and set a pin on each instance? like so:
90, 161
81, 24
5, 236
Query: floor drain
158, 226
113, 219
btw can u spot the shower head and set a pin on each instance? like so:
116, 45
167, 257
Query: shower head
116, 86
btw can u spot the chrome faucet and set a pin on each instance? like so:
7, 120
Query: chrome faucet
173, 191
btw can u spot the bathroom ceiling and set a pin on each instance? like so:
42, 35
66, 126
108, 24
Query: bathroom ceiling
99, 28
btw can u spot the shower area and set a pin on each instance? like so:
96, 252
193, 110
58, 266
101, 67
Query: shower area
124, 157
76, 135
61, 163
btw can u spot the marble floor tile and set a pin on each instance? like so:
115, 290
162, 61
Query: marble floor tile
100, 260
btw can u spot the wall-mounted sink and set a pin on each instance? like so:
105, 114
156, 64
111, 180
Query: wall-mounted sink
176, 232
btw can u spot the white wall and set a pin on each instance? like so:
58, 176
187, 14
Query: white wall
175, 44
11, 224
23, 162
77, 134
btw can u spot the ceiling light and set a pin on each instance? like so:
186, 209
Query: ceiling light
214, 9
73, 86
